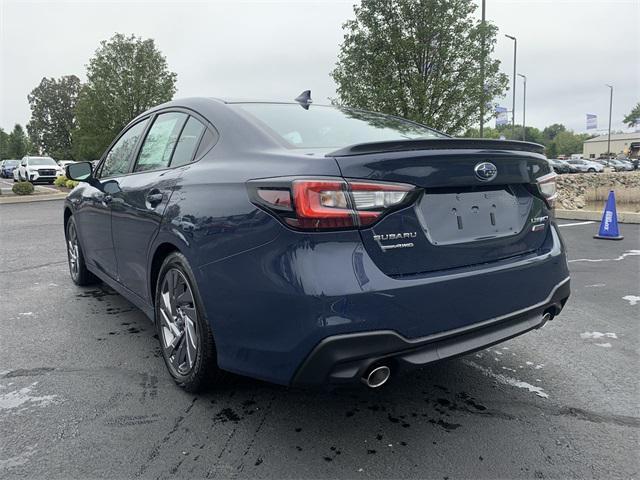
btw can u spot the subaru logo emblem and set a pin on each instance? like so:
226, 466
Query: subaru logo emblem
485, 171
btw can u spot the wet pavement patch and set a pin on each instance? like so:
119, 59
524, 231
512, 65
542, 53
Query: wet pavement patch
446, 425
227, 415
98, 293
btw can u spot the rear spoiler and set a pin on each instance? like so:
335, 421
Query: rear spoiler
437, 144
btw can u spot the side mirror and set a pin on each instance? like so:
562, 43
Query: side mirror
79, 171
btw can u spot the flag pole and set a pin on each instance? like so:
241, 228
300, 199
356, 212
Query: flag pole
609, 137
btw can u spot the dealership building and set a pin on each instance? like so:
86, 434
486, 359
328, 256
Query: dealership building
621, 143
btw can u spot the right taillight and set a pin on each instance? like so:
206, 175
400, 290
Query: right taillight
329, 203
548, 189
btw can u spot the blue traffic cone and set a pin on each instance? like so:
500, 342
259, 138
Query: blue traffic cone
609, 223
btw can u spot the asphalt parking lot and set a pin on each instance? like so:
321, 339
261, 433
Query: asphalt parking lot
84, 391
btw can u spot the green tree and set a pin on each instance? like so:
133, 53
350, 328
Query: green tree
126, 76
18, 144
418, 59
556, 138
633, 117
4, 144
568, 142
53, 105
532, 134
552, 131
549, 135
488, 133
551, 150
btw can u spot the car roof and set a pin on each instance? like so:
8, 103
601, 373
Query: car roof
236, 129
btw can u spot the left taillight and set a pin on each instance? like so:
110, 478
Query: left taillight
329, 203
548, 189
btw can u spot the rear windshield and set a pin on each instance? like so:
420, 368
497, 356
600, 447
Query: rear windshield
333, 127
42, 161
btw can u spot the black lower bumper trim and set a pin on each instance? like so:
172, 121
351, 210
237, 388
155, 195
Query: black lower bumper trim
345, 358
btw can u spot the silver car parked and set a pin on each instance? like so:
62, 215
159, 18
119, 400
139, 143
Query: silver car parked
584, 166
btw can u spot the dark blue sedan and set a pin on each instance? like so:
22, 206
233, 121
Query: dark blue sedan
7, 167
306, 244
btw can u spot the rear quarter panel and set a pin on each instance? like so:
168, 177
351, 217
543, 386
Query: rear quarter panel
210, 218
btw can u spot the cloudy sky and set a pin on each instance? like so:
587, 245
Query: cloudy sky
568, 49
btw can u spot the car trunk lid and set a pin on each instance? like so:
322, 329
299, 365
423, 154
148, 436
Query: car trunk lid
461, 217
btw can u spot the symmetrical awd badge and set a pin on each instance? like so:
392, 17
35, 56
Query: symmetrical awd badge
395, 236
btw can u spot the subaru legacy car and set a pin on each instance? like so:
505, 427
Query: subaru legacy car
311, 245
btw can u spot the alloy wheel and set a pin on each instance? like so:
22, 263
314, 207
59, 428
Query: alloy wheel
178, 317
73, 250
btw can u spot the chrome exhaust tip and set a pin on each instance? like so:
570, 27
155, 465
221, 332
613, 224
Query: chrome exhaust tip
377, 376
545, 318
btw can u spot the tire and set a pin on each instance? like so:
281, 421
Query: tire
180, 320
75, 258
591, 170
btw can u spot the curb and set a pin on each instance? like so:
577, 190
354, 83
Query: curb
32, 198
623, 217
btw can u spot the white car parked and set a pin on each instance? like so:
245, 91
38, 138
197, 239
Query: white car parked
38, 169
586, 165
63, 163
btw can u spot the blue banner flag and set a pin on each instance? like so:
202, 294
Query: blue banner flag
592, 121
502, 117
609, 224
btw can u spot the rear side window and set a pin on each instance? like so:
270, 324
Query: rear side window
208, 140
158, 147
188, 142
117, 160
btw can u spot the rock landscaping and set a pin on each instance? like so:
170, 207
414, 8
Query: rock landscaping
575, 191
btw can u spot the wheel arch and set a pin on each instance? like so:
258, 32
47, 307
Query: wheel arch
161, 252
67, 216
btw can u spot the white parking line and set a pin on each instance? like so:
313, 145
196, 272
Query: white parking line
628, 253
577, 223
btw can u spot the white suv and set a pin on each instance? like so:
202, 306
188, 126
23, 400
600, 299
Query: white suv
38, 169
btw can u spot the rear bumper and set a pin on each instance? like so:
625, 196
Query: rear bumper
346, 358
275, 308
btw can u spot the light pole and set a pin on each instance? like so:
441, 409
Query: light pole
513, 108
610, 108
482, 55
524, 106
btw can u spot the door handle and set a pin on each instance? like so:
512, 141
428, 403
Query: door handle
154, 197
